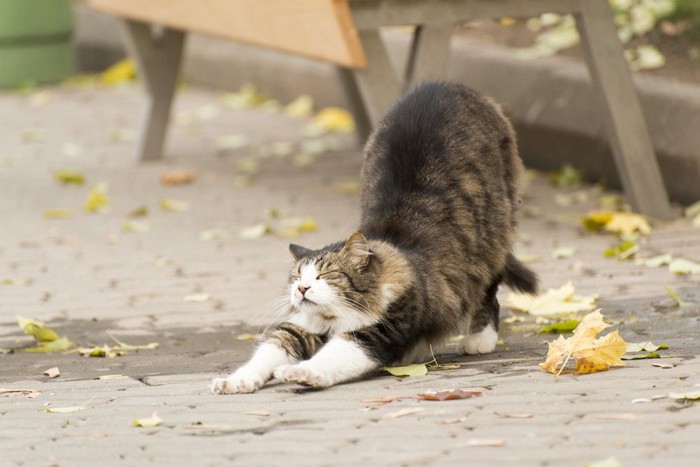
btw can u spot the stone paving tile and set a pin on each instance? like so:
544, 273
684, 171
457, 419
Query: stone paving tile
85, 276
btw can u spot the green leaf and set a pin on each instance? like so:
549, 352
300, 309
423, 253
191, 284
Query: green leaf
688, 396
641, 356
36, 329
647, 346
58, 345
566, 177
418, 369
153, 420
69, 177
64, 409
561, 327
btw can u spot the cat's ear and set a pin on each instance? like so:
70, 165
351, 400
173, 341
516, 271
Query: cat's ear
299, 252
357, 248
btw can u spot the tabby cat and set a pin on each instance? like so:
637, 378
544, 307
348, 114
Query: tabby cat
439, 188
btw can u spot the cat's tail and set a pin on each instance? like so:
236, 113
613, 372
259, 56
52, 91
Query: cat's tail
518, 276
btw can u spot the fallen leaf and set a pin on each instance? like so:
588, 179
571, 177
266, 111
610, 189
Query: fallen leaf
641, 356
521, 415
69, 177
449, 394
213, 234
259, 413
178, 177
58, 345
104, 351
665, 366
254, 231
628, 223
36, 329
248, 337
52, 372
110, 377
125, 346
566, 177
334, 119
247, 97
58, 213
301, 107
140, 211
647, 346
683, 266
590, 354
97, 200
624, 250
292, 227
640, 400
552, 302
656, 261
167, 204
687, 396
121, 72
385, 399
526, 257
64, 409
675, 297
561, 327
645, 57
153, 420
402, 413
136, 226
595, 221
417, 369
196, 298
564, 252
11, 392
482, 443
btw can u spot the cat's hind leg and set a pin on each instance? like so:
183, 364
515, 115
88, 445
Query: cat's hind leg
287, 344
482, 331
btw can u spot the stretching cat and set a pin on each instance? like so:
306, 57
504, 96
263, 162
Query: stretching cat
439, 190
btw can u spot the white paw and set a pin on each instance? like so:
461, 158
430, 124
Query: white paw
481, 342
302, 374
236, 384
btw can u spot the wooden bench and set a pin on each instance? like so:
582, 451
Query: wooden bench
346, 33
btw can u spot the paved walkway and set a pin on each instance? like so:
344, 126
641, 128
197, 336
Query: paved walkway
199, 298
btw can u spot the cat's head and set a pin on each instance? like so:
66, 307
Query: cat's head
333, 289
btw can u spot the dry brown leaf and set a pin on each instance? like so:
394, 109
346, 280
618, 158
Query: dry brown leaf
402, 413
12, 392
590, 354
178, 177
482, 443
514, 415
53, 372
449, 394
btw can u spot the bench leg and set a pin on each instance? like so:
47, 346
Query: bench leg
377, 83
429, 55
158, 54
363, 125
628, 134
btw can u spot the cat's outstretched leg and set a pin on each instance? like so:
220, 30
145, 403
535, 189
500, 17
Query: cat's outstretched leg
482, 334
287, 344
338, 361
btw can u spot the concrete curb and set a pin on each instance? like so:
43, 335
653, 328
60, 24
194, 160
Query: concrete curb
549, 99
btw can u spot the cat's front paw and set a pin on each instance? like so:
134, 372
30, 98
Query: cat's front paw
302, 374
236, 384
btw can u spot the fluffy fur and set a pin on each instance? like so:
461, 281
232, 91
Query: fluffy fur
439, 188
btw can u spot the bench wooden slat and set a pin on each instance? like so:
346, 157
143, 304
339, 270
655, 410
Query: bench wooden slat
322, 29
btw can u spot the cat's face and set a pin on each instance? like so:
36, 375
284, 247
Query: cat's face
330, 289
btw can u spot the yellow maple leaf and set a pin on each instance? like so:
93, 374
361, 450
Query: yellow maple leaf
627, 223
589, 353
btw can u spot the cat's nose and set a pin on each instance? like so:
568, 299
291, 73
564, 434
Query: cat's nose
303, 289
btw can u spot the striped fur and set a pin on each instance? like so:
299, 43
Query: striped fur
439, 190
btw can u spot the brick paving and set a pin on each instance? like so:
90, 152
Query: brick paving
85, 276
